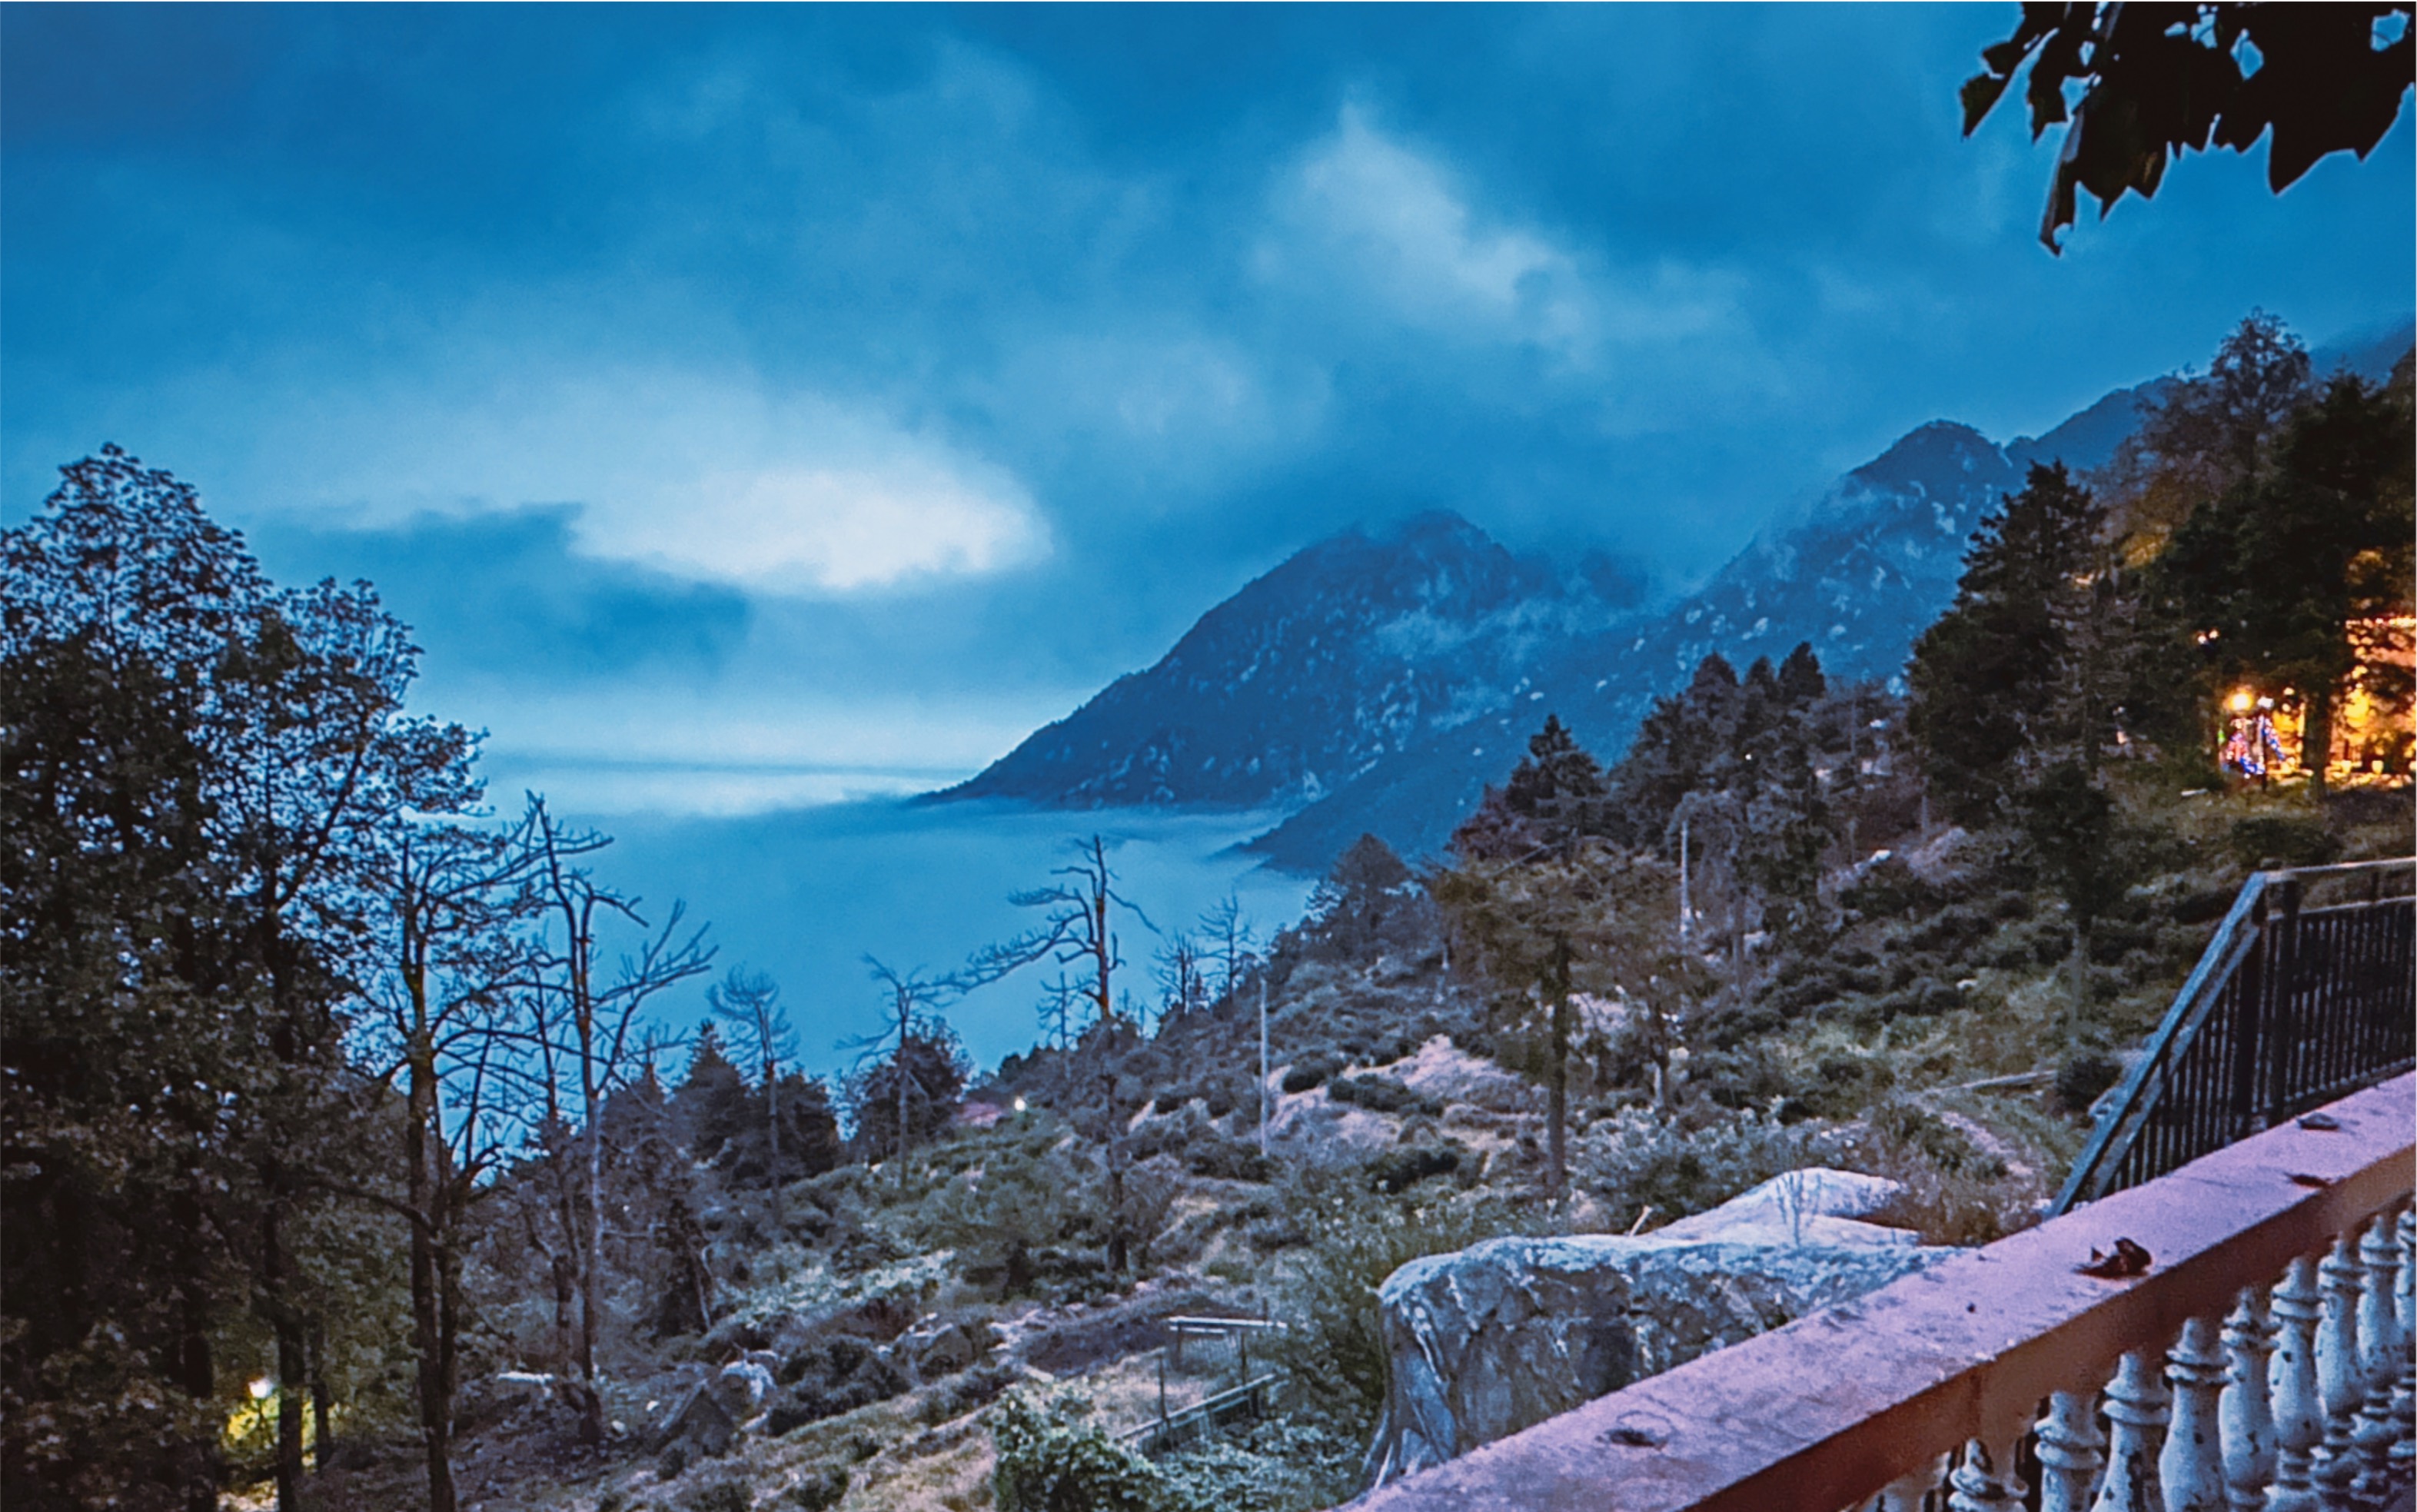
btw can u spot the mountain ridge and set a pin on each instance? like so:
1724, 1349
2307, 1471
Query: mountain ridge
1375, 681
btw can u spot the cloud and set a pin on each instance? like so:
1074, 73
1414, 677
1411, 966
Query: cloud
710, 475
1360, 201
1363, 218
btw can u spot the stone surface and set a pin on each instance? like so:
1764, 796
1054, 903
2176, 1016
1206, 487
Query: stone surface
1505, 1334
700, 1425
742, 1385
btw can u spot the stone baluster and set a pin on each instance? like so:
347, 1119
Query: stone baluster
2381, 1350
2404, 1390
2071, 1450
2136, 1414
2340, 1390
2190, 1467
1986, 1481
1906, 1493
2245, 1412
2299, 1418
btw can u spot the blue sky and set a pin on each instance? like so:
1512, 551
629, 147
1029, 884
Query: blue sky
752, 405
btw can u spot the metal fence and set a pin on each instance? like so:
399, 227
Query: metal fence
2308, 991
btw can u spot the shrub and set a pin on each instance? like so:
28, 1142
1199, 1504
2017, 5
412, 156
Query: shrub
1052, 1458
1398, 1169
2083, 1079
1381, 1095
820, 1489
2281, 840
1311, 1070
1278, 1467
1350, 1241
1634, 1158
718, 1496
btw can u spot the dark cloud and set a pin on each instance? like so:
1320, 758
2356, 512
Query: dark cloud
508, 594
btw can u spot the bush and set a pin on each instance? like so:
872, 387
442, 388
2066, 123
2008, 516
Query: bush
2083, 1079
1381, 1095
1311, 1070
2265, 840
1278, 1467
1350, 1241
718, 1496
1634, 1158
1052, 1458
820, 1489
1398, 1169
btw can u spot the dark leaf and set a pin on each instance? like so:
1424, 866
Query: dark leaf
2129, 1258
1980, 95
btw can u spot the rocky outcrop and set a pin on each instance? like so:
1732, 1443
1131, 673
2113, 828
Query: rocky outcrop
1501, 1336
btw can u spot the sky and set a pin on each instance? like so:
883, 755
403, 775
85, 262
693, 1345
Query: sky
756, 406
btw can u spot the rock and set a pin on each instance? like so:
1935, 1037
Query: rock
742, 1385
700, 1426
1505, 1334
948, 1349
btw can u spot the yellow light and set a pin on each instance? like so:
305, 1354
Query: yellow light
2241, 700
262, 1387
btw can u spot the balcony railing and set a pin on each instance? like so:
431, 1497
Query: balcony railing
2251, 1349
2307, 991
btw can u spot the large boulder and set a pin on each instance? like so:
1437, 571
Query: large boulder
1503, 1335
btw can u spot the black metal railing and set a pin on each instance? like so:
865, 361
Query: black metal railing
2307, 992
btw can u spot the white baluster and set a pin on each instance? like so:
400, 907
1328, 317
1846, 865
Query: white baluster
2136, 1416
2404, 1390
2339, 1388
2189, 1467
1906, 1492
2071, 1451
2299, 1418
2381, 1349
2244, 1412
1986, 1481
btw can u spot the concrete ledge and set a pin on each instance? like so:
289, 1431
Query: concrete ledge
1824, 1411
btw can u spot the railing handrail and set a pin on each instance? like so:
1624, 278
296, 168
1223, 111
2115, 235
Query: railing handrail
1823, 1413
2240, 932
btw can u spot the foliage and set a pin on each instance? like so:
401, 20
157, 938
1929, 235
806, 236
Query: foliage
2159, 79
1367, 904
1352, 1238
1279, 1466
2274, 573
933, 1069
1053, 1459
201, 774
1556, 796
1636, 1159
1995, 695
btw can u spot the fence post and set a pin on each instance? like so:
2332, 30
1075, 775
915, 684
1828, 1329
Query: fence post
2281, 1019
2250, 1021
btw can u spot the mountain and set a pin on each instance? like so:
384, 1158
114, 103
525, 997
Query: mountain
1346, 654
1377, 682
1859, 574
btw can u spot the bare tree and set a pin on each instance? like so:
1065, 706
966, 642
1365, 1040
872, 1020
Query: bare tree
591, 1031
449, 990
749, 1003
1182, 979
913, 1013
1077, 930
1229, 941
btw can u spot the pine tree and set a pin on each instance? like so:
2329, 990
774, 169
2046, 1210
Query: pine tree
1991, 679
